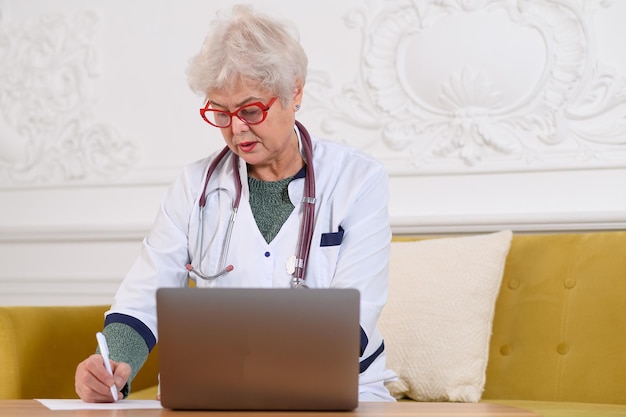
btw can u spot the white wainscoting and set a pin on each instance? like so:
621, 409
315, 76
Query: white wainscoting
64, 270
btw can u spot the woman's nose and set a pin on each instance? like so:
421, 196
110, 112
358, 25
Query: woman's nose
238, 125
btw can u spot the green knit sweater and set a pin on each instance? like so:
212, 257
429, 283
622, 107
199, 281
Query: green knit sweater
270, 204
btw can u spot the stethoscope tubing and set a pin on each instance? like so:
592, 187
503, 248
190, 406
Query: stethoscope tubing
308, 211
308, 207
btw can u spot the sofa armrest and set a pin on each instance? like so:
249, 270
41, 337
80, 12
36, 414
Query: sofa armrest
41, 346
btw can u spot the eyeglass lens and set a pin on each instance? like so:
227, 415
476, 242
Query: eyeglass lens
252, 113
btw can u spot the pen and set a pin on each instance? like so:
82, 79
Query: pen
104, 351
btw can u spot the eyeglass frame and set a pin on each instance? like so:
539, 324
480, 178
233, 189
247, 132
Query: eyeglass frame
263, 107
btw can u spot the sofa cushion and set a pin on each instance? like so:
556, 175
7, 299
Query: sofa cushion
438, 318
559, 332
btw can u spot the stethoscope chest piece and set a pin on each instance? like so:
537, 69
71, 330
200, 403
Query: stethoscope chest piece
297, 283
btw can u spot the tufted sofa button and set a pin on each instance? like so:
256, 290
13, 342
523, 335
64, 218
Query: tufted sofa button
513, 284
569, 283
562, 348
505, 350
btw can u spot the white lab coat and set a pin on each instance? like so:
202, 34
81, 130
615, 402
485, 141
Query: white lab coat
351, 192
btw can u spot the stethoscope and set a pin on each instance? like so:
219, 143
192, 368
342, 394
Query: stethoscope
296, 264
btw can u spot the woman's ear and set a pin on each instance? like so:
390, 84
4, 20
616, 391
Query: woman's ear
297, 93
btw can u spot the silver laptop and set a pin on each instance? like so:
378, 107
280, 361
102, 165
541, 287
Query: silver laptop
258, 349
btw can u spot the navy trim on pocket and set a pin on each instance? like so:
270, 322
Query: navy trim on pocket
332, 239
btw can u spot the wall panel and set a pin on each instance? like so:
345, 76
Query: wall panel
487, 114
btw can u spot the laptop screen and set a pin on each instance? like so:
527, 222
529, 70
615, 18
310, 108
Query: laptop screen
258, 349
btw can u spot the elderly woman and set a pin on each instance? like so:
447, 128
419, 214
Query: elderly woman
252, 72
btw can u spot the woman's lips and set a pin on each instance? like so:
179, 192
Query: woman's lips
247, 146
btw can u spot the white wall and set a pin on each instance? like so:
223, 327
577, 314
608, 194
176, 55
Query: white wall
487, 114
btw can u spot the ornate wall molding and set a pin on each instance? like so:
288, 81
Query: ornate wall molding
49, 131
463, 86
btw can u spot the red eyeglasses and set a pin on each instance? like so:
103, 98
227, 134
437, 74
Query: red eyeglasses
251, 114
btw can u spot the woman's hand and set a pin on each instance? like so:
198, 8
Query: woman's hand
93, 382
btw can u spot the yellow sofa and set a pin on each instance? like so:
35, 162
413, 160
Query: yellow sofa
41, 346
558, 345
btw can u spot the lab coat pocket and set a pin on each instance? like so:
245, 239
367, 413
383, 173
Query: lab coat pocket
332, 239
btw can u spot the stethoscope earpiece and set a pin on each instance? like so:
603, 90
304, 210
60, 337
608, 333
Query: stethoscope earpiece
199, 274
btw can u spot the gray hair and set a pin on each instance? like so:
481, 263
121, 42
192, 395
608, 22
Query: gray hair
249, 46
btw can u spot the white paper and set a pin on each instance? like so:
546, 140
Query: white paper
54, 404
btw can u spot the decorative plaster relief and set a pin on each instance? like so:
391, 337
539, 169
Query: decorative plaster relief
48, 132
458, 86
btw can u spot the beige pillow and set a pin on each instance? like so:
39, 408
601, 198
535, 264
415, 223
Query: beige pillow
438, 319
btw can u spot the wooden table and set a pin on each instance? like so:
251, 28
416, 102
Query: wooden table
32, 408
